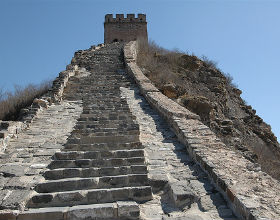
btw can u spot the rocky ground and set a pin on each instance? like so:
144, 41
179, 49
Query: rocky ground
200, 87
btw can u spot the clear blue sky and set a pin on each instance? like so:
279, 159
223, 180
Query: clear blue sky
39, 37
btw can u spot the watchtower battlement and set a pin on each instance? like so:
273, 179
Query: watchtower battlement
129, 18
121, 28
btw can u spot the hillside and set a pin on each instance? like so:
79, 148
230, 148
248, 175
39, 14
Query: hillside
205, 90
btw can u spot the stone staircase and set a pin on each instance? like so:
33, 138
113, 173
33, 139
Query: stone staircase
101, 172
100, 153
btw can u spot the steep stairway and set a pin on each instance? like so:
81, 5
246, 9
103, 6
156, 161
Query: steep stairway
100, 153
101, 172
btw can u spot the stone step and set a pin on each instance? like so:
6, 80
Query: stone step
107, 123
105, 106
103, 146
107, 129
121, 210
91, 133
92, 183
115, 111
104, 139
74, 155
106, 162
98, 131
114, 121
94, 172
93, 196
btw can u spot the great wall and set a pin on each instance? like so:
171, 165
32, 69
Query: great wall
105, 143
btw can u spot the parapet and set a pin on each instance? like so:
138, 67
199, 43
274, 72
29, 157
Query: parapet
122, 18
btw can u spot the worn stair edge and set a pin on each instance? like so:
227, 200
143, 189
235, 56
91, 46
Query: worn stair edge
94, 196
92, 183
106, 162
190, 130
120, 210
102, 146
73, 155
64, 173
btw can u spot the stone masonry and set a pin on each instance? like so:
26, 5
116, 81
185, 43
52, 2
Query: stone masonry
121, 29
251, 193
99, 171
101, 150
181, 189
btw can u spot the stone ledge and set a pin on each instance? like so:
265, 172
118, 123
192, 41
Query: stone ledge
251, 193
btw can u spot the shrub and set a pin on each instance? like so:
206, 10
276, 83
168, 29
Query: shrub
12, 102
229, 80
209, 63
160, 64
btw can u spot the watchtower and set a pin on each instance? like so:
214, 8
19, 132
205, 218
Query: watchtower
125, 29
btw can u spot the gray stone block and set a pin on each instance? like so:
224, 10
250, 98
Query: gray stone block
11, 170
211, 202
56, 213
182, 194
129, 210
108, 210
15, 199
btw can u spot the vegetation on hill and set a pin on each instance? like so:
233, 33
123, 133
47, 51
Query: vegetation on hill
12, 102
201, 87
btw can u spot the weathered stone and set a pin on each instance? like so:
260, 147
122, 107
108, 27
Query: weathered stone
201, 187
182, 194
16, 199
128, 209
160, 145
211, 202
22, 182
158, 181
43, 214
108, 210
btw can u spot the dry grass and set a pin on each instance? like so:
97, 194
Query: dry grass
209, 63
164, 66
12, 102
159, 64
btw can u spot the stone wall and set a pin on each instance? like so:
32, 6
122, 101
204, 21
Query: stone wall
252, 194
125, 29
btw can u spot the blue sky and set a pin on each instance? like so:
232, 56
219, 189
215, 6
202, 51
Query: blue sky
39, 37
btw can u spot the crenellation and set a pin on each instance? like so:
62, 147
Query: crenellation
142, 17
119, 17
129, 18
108, 18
